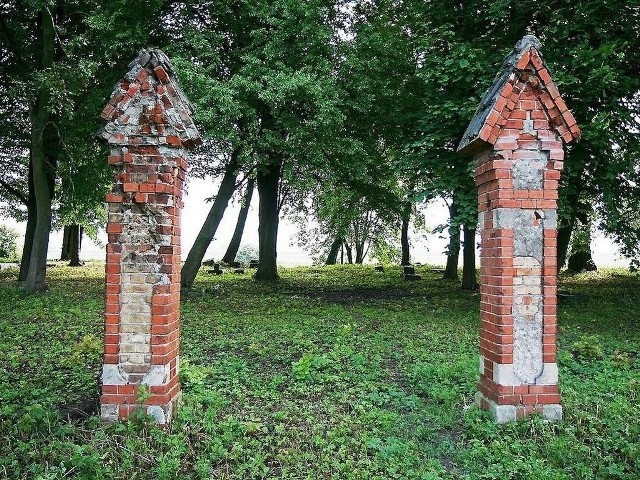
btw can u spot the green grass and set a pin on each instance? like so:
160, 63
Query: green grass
333, 372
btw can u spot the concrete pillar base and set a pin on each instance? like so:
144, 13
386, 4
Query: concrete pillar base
511, 413
162, 413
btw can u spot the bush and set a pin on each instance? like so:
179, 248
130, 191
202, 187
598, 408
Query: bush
386, 252
8, 242
587, 348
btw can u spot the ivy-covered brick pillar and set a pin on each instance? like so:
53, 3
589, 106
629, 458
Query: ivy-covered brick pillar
517, 137
149, 131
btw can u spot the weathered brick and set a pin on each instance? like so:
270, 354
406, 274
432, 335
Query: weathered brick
518, 292
136, 268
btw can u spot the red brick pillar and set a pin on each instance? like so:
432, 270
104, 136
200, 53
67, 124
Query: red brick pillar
517, 137
149, 129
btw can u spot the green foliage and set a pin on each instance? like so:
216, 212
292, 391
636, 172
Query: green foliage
333, 372
8, 242
308, 365
261, 76
139, 419
587, 348
61, 59
88, 349
594, 64
385, 252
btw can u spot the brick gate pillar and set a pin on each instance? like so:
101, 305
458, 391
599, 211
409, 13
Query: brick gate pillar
149, 130
517, 137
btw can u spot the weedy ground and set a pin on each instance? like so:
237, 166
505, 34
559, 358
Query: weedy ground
333, 372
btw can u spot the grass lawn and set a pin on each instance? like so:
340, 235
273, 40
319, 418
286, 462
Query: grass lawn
333, 372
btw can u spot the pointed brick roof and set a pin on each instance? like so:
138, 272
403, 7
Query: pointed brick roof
148, 107
523, 68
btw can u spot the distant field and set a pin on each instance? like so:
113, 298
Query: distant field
333, 372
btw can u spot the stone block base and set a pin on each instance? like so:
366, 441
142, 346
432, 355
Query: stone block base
510, 413
162, 413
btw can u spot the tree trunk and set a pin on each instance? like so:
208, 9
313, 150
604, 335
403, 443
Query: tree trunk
581, 262
210, 225
404, 236
36, 275
31, 228
42, 168
571, 191
268, 182
469, 259
332, 258
234, 244
565, 230
453, 250
580, 259
359, 253
349, 252
564, 237
65, 254
75, 241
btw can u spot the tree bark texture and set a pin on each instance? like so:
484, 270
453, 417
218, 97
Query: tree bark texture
566, 229
236, 239
75, 242
580, 259
404, 236
359, 253
210, 225
42, 167
349, 252
581, 262
572, 192
268, 181
30, 230
453, 250
332, 258
65, 254
469, 259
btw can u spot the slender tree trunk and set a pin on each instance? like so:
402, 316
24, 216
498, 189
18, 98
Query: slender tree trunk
359, 253
31, 228
36, 275
75, 241
65, 254
571, 191
565, 230
211, 223
268, 182
332, 258
564, 238
453, 250
349, 252
404, 236
39, 113
469, 259
234, 244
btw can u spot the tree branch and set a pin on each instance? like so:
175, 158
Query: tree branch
14, 191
